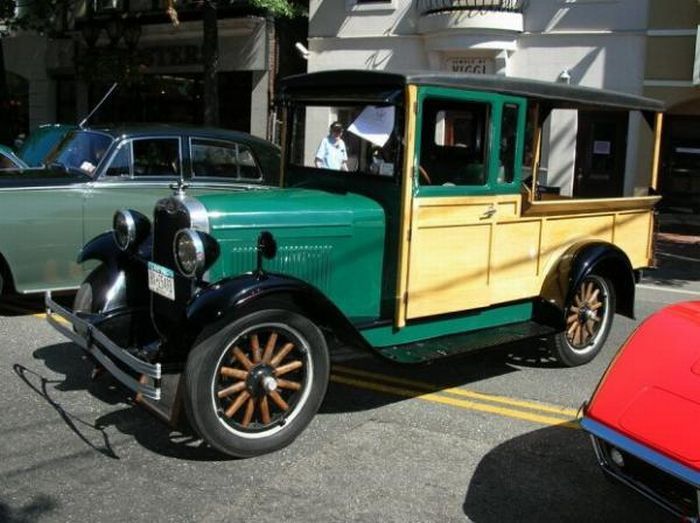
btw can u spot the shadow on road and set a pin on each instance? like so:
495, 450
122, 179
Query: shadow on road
21, 305
69, 360
39, 507
551, 475
418, 379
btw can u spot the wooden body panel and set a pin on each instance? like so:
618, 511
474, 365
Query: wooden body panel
463, 255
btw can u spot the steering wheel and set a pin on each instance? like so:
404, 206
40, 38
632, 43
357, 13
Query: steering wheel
424, 174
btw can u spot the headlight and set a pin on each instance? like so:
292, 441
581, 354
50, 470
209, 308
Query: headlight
194, 252
189, 252
129, 228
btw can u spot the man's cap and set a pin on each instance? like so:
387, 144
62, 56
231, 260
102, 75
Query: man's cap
336, 125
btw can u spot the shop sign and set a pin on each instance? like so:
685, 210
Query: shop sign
470, 65
172, 56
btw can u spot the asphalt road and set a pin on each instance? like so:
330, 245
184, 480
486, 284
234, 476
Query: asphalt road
487, 437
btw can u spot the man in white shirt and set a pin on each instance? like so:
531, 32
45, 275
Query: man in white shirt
331, 153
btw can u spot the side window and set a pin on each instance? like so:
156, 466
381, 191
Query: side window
509, 129
119, 166
156, 157
454, 143
223, 160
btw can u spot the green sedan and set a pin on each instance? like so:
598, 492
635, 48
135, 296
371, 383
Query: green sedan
48, 214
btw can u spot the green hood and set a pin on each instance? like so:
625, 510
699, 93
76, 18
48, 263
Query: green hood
333, 241
287, 208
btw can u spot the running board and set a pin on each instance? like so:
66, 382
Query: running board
426, 350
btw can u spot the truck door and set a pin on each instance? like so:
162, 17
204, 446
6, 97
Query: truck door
466, 183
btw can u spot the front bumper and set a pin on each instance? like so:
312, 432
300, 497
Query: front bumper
121, 363
668, 483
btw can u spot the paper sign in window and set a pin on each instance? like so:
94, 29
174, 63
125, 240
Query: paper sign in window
374, 124
601, 147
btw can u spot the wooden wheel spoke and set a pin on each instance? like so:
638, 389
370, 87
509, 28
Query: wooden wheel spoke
277, 399
286, 349
590, 328
594, 297
230, 372
249, 409
571, 318
270, 347
573, 309
578, 300
577, 335
289, 367
572, 327
286, 384
237, 404
264, 410
589, 292
255, 347
236, 387
595, 318
242, 358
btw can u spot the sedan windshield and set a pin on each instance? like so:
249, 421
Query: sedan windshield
81, 151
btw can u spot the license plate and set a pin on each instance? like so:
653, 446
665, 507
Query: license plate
161, 280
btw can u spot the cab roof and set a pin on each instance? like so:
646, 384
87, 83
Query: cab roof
550, 94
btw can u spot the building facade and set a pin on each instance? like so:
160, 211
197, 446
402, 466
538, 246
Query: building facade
595, 43
61, 76
672, 74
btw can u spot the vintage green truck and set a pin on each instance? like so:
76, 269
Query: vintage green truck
426, 243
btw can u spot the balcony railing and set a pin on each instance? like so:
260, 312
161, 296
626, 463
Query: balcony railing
426, 7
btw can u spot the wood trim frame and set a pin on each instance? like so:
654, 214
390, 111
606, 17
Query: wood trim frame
406, 205
658, 130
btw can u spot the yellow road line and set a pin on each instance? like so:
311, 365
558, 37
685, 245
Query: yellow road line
553, 409
464, 404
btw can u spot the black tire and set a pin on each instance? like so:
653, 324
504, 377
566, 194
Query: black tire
589, 316
235, 394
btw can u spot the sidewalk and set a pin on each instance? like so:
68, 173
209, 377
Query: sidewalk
677, 250
679, 227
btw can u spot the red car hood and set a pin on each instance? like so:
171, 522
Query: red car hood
651, 391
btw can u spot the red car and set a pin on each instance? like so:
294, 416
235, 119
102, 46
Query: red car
644, 417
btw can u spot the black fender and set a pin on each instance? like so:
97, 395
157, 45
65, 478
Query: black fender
577, 262
120, 280
228, 299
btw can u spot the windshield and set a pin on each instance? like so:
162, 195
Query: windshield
81, 150
346, 139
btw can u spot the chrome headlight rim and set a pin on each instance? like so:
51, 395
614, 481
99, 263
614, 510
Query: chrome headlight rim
130, 233
199, 252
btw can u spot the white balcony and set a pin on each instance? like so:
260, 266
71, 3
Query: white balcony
479, 16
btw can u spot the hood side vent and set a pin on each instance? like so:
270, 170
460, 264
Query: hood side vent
311, 263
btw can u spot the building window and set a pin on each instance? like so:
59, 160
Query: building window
66, 101
370, 5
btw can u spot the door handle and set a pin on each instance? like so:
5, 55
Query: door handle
488, 213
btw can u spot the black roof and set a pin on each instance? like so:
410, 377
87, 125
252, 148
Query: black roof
162, 129
549, 93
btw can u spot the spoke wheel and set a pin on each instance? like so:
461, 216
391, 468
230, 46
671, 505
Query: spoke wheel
589, 316
263, 379
255, 385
